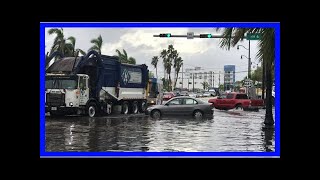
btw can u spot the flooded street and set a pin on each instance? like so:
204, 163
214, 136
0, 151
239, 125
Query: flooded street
233, 130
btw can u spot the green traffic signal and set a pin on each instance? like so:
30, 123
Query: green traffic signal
205, 35
168, 35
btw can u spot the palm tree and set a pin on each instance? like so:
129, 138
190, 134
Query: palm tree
163, 55
154, 62
97, 44
124, 57
60, 43
266, 54
178, 62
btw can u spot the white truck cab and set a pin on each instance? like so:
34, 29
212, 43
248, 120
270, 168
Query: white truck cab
66, 94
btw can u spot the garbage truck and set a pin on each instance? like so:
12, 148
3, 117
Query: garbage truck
93, 84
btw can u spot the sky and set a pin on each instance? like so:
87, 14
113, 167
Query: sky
140, 44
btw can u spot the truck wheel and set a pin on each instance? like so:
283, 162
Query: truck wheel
108, 108
134, 107
239, 106
125, 108
142, 106
92, 109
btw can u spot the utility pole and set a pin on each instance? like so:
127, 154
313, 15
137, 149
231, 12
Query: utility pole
182, 76
249, 63
192, 82
219, 79
212, 79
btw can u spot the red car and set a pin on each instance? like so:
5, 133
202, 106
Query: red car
237, 100
167, 96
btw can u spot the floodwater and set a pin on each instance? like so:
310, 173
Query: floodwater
228, 131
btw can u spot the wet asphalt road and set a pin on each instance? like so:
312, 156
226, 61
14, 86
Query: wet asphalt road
233, 130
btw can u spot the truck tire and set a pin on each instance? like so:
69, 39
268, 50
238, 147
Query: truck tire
125, 107
92, 109
108, 108
134, 107
143, 106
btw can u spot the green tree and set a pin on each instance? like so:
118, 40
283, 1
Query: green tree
154, 62
64, 46
178, 62
266, 53
205, 85
97, 44
123, 57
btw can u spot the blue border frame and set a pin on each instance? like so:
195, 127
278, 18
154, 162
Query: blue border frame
43, 153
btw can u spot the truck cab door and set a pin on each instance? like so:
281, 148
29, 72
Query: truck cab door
84, 90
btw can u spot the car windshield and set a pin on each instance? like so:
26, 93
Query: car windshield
61, 84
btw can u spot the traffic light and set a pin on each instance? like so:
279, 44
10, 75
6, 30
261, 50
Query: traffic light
165, 35
205, 35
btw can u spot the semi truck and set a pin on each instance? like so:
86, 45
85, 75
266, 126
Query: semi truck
93, 84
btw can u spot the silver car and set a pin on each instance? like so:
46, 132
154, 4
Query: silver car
182, 106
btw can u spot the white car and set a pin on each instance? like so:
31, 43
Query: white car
206, 94
194, 95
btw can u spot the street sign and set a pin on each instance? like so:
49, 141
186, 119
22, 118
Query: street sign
253, 36
190, 35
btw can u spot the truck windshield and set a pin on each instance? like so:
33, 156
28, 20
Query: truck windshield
61, 84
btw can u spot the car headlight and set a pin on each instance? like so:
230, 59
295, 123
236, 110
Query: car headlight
152, 101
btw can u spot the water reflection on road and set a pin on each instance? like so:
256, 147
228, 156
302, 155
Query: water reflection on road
233, 130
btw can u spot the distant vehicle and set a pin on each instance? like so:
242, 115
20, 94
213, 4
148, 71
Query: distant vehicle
184, 93
237, 101
199, 94
212, 92
154, 90
167, 96
192, 94
206, 94
181, 106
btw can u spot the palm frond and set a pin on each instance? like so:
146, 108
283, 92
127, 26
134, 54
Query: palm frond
238, 35
226, 41
131, 60
82, 52
72, 40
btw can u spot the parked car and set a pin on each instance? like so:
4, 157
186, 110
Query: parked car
184, 93
167, 96
192, 94
199, 94
206, 94
212, 92
238, 101
181, 106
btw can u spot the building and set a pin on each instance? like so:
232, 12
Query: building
229, 77
194, 77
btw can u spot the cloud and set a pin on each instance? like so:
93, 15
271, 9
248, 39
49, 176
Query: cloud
140, 44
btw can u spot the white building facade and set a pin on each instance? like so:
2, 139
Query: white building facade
194, 78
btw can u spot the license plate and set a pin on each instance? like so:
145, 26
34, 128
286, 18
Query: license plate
54, 108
